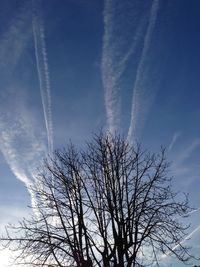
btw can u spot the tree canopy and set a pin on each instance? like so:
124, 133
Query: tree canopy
110, 204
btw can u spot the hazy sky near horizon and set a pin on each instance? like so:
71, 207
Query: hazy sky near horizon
70, 68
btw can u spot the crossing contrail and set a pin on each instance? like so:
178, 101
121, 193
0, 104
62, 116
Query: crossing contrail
43, 74
113, 65
184, 240
138, 88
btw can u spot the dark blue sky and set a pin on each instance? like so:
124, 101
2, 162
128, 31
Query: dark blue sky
70, 68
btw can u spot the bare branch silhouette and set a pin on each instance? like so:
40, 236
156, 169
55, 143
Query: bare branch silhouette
111, 205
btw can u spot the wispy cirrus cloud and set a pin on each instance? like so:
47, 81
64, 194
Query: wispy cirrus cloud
21, 140
186, 169
141, 97
188, 150
14, 40
116, 52
13, 126
43, 71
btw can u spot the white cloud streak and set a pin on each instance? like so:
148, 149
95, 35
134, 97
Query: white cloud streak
187, 238
13, 41
187, 152
43, 74
174, 139
193, 211
21, 143
185, 166
113, 65
183, 241
138, 105
15, 126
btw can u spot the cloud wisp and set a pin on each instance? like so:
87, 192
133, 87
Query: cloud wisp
43, 73
188, 150
21, 140
140, 103
15, 126
114, 62
13, 42
174, 140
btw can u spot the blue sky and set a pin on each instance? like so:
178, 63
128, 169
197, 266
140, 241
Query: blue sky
69, 68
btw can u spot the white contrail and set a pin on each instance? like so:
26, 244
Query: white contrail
188, 150
113, 69
174, 139
15, 127
109, 76
184, 240
187, 237
138, 89
43, 75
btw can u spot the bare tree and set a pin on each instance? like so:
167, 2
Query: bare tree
111, 205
